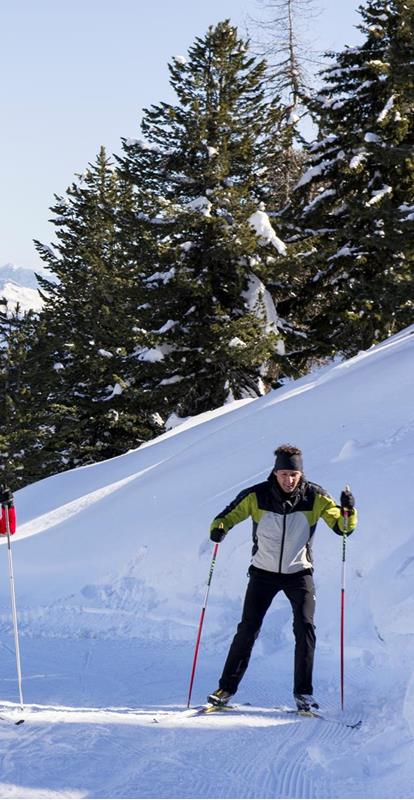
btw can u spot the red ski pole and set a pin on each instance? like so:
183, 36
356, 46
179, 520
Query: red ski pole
13, 604
345, 513
200, 626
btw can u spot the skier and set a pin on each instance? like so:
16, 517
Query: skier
285, 510
6, 501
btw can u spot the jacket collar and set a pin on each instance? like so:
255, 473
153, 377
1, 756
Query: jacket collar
289, 500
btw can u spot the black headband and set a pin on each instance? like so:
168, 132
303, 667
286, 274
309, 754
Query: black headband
292, 461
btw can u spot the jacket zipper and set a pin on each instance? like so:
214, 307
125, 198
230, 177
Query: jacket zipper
283, 537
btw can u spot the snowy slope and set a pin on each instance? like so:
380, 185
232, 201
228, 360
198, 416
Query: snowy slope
19, 285
110, 567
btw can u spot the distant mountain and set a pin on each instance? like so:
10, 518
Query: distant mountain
19, 285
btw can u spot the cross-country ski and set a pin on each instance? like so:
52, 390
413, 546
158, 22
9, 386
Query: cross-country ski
249, 710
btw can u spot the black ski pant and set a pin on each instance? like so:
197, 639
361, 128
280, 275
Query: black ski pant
262, 588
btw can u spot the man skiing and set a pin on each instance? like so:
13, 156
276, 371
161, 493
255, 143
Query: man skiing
285, 510
6, 501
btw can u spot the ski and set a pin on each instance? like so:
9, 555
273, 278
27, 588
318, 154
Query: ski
196, 711
209, 708
247, 708
311, 714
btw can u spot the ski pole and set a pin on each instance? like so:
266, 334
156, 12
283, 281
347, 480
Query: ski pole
200, 626
13, 604
345, 513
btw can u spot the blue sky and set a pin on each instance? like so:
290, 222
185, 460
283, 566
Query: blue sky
76, 75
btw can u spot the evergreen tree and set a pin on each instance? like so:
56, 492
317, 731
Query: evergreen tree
353, 206
26, 423
93, 314
210, 160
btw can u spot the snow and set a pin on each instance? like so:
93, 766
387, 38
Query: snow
110, 565
260, 222
378, 194
150, 354
343, 251
237, 342
173, 420
293, 118
171, 323
372, 137
259, 300
189, 422
19, 285
114, 391
315, 146
170, 381
186, 246
131, 142
26, 298
311, 173
164, 277
357, 160
321, 196
201, 204
388, 106
408, 212
212, 151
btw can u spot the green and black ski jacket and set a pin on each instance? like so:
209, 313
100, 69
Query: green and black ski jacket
284, 524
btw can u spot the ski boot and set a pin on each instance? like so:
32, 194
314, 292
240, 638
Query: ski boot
305, 702
219, 698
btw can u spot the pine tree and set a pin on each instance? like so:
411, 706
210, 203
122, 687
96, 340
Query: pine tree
210, 162
354, 204
94, 317
26, 424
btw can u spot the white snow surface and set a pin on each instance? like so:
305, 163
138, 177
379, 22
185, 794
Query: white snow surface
21, 297
18, 285
110, 566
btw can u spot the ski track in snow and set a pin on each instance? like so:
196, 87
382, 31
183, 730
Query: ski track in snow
76, 749
277, 766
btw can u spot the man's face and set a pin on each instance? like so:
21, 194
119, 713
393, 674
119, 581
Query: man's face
288, 479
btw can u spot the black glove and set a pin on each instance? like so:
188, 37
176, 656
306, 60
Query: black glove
347, 500
217, 534
6, 496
